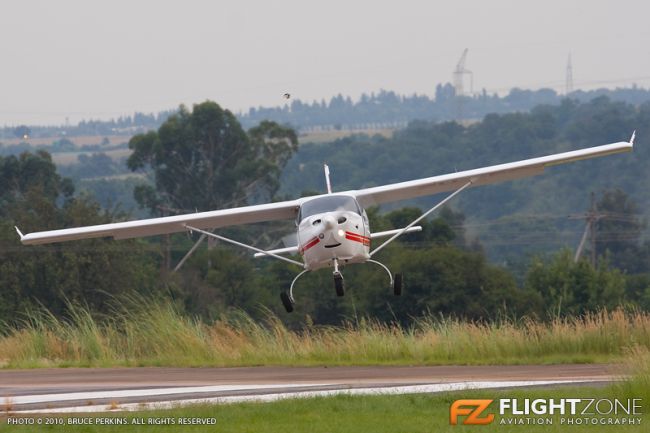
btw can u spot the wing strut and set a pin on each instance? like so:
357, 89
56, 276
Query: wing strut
189, 253
424, 215
239, 244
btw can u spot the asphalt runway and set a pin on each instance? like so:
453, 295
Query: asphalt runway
96, 390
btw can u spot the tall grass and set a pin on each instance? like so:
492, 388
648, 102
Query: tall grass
157, 334
637, 384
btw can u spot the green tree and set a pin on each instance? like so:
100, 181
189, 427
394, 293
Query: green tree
618, 232
567, 287
91, 271
31, 174
204, 160
438, 279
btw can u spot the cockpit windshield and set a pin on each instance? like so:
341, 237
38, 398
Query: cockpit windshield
329, 203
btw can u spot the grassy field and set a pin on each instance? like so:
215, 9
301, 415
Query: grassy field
156, 334
68, 158
377, 413
331, 135
78, 140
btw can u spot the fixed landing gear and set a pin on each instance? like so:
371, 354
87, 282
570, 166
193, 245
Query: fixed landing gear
397, 285
339, 284
287, 297
286, 301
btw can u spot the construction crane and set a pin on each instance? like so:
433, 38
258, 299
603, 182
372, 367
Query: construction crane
459, 72
458, 78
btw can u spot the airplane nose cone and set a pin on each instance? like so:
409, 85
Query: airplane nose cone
329, 222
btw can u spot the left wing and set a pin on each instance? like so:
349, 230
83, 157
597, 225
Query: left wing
480, 176
170, 224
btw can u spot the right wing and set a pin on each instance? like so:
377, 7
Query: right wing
480, 176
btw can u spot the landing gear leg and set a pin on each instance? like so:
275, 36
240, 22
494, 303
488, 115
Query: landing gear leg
339, 285
287, 297
396, 283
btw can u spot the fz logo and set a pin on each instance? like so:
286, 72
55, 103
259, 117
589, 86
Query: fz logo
472, 409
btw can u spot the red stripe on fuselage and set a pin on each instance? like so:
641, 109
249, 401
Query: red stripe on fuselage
357, 238
308, 245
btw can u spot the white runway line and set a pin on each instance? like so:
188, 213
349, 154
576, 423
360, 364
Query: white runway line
149, 392
267, 397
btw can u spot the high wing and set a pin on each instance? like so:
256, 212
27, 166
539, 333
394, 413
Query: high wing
171, 224
481, 176
289, 209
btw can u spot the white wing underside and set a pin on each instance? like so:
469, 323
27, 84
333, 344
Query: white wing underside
288, 209
172, 224
480, 176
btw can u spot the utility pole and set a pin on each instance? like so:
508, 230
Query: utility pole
592, 216
458, 79
568, 84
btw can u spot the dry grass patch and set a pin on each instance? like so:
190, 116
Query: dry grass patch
158, 334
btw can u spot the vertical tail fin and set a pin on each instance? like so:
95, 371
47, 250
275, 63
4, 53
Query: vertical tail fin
19, 233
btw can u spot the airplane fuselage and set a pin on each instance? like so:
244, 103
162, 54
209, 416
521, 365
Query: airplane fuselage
333, 227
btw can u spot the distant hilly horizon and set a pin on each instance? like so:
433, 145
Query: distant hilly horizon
380, 109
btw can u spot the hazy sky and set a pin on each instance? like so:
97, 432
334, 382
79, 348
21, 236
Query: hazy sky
99, 59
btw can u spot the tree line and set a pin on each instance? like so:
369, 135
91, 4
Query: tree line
384, 108
388, 109
204, 159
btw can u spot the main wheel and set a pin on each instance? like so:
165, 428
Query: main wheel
286, 301
397, 285
339, 285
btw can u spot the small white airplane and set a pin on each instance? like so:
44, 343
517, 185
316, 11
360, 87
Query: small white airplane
332, 228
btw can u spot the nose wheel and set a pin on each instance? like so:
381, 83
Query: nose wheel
339, 285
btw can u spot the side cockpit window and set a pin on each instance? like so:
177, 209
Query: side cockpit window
328, 203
